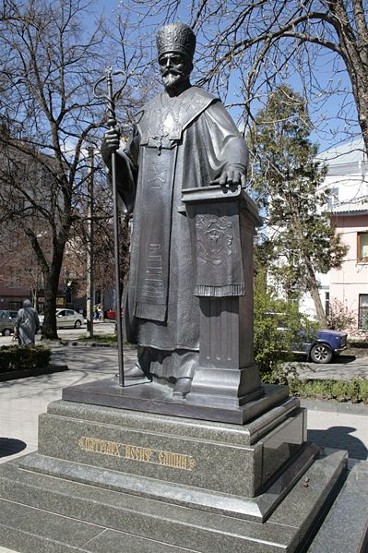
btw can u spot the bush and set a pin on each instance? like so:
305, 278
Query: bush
341, 317
14, 357
354, 391
277, 328
360, 344
99, 339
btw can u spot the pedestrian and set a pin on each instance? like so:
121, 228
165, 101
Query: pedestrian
100, 313
27, 324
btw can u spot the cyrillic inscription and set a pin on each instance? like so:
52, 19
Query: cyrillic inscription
136, 453
176, 460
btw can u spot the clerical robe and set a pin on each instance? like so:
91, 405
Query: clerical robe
178, 142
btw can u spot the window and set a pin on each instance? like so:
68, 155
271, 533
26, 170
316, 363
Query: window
363, 312
68, 298
327, 304
362, 247
14, 278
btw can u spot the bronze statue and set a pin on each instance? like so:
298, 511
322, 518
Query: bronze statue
183, 138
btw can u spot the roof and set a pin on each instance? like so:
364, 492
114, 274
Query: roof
357, 207
349, 158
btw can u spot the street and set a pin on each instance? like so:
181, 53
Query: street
344, 367
99, 328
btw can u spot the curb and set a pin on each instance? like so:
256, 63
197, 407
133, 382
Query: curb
25, 373
334, 406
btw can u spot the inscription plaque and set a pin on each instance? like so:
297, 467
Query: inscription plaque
137, 453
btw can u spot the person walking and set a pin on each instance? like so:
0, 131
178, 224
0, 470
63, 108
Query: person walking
27, 324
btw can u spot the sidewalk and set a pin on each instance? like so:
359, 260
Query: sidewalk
339, 429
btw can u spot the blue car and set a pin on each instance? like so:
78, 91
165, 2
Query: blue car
322, 345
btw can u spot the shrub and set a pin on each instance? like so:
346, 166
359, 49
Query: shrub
341, 317
15, 357
277, 328
361, 344
354, 391
99, 339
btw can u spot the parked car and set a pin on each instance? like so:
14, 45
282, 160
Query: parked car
66, 318
7, 322
322, 345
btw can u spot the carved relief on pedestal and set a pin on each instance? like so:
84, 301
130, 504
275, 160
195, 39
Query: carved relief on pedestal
214, 238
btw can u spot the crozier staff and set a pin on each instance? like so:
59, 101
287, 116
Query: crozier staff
183, 138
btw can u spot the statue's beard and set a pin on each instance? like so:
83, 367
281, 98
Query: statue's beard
172, 79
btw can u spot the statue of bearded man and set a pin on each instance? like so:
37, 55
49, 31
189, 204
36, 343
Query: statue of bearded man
183, 138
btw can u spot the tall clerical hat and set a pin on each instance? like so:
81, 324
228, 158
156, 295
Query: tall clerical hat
176, 37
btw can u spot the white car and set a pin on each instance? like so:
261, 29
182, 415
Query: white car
66, 318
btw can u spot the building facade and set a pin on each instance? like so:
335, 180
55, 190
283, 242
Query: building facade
347, 180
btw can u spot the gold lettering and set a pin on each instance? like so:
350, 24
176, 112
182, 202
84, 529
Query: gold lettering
137, 453
100, 446
148, 455
176, 460
114, 449
128, 452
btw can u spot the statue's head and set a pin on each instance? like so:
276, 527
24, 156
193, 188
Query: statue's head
176, 45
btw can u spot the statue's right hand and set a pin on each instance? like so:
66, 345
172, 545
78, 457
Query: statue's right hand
110, 144
112, 139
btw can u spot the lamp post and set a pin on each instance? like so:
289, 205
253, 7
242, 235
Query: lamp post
90, 294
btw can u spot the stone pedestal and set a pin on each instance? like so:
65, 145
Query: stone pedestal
216, 465
222, 222
120, 480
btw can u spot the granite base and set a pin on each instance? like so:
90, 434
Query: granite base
44, 513
124, 481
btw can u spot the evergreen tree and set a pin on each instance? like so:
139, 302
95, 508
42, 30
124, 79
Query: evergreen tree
300, 241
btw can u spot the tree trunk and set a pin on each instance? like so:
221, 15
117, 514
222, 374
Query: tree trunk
51, 286
360, 93
354, 50
49, 330
314, 292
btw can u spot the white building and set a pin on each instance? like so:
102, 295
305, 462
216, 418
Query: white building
347, 180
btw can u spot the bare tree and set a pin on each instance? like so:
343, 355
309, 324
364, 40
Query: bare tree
51, 61
7, 10
247, 48
103, 245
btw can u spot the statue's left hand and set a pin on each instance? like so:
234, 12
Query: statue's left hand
231, 176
